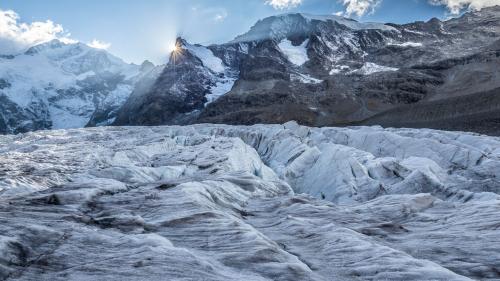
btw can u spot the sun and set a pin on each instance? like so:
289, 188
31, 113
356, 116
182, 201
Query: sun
175, 51
173, 48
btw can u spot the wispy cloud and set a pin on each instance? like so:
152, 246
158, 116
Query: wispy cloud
455, 6
283, 4
359, 7
221, 16
214, 14
99, 44
352, 7
16, 36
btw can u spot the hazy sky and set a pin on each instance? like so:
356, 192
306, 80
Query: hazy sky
144, 29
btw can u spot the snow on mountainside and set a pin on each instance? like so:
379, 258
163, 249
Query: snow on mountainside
66, 82
224, 78
206, 56
249, 203
282, 26
331, 71
194, 77
351, 23
295, 54
318, 70
370, 68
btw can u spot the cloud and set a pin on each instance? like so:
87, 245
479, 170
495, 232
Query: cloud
213, 14
16, 36
360, 7
220, 16
455, 6
99, 44
283, 4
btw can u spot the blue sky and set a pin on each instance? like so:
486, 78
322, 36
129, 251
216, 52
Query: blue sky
139, 29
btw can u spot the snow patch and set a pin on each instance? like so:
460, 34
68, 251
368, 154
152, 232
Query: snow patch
304, 78
370, 68
207, 57
221, 88
407, 44
295, 54
339, 69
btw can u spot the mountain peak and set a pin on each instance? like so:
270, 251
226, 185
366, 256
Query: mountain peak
50, 45
180, 42
285, 25
146, 66
58, 47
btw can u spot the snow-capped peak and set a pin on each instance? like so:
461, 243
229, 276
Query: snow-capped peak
50, 45
285, 25
78, 58
61, 84
350, 23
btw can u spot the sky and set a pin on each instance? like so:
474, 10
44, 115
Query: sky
136, 30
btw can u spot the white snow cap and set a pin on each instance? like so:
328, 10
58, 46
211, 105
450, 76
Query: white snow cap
281, 26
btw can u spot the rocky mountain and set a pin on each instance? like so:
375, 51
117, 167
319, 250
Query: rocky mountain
192, 79
330, 70
56, 85
266, 202
318, 70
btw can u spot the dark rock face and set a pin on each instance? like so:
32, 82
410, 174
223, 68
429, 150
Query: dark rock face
177, 93
11, 113
479, 112
4, 84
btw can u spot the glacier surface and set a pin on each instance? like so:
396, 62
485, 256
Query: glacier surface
266, 202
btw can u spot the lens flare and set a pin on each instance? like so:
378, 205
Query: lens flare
173, 48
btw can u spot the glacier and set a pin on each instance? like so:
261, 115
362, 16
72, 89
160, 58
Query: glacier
263, 202
57, 85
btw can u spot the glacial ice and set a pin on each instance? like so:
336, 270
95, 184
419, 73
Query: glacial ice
295, 54
265, 202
